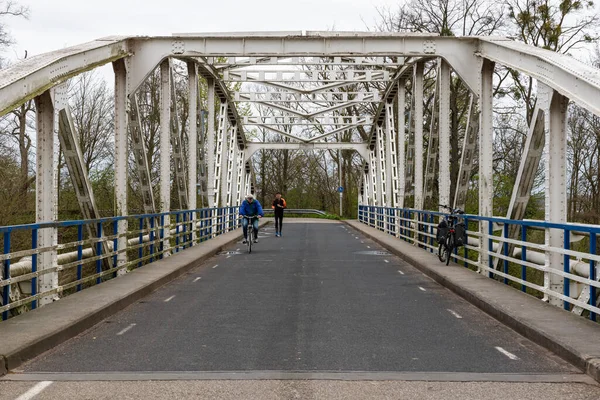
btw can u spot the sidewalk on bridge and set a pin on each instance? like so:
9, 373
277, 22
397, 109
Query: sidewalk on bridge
574, 338
29, 335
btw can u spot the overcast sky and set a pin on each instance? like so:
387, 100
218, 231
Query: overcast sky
55, 24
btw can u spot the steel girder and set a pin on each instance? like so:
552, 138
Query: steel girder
121, 154
140, 156
360, 148
45, 192
556, 189
418, 121
177, 150
433, 141
391, 156
220, 153
444, 133
210, 145
468, 155
79, 177
401, 141
486, 184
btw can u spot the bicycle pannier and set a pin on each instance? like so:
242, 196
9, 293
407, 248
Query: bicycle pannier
461, 234
442, 231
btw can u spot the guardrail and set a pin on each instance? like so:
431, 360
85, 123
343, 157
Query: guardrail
80, 263
297, 211
521, 268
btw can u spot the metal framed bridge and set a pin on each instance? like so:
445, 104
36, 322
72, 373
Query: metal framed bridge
301, 85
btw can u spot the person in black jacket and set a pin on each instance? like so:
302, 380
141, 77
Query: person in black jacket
279, 205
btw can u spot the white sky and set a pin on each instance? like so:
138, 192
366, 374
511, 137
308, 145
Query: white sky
56, 24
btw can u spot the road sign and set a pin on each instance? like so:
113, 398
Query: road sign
340, 189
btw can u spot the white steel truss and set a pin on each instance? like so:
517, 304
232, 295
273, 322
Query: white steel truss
308, 86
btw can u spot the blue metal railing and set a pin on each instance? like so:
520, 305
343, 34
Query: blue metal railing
579, 273
154, 235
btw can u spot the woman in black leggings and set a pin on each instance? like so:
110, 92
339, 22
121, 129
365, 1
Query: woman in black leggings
279, 205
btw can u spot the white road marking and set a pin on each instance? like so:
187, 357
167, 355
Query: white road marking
126, 329
237, 249
169, 299
457, 315
423, 289
215, 266
400, 272
197, 279
228, 257
362, 241
34, 391
506, 353
386, 261
368, 247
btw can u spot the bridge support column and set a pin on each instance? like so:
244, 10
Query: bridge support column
391, 155
444, 133
192, 143
221, 155
373, 178
210, 145
121, 153
486, 184
45, 193
381, 169
232, 166
165, 146
556, 192
401, 141
239, 184
418, 121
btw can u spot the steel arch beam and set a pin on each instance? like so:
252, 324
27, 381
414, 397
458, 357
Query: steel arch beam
253, 147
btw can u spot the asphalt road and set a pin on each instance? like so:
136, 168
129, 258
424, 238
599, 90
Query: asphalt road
299, 316
321, 298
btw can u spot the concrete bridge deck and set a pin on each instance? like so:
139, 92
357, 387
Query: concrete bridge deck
323, 312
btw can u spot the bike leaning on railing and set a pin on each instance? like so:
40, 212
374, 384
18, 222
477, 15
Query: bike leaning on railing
250, 238
451, 233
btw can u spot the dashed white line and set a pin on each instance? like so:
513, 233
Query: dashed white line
368, 247
237, 249
422, 289
215, 266
457, 315
507, 353
386, 261
126, 329
169, 299
34, 391
362, 241
228, 257
400, 272
197, 279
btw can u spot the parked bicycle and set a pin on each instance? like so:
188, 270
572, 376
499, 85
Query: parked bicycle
451, 233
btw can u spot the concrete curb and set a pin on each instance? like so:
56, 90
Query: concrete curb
567, 345
38, 331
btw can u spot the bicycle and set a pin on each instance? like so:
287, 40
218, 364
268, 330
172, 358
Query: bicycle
250, 231
447, 234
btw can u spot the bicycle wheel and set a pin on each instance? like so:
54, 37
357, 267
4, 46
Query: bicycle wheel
449, 248
250, 239
441, 248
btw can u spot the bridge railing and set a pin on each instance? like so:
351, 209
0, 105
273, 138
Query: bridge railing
78, 260
523, 263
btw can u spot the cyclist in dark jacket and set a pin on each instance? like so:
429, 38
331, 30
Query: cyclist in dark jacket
251, 207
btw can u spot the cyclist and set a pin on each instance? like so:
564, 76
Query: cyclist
251, 207
279, 205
